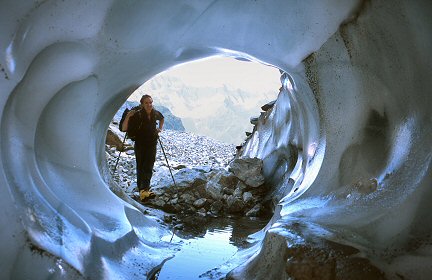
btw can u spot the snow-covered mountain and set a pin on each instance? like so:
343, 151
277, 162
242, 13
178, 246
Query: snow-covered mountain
222, 113
171, 121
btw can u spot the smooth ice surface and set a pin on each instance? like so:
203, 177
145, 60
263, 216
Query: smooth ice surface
347, 145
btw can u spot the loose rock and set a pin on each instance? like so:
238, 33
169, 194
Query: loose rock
205, 182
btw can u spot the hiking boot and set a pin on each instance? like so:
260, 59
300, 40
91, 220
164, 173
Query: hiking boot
146, 194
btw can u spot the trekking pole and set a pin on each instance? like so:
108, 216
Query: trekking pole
118, 158
163, 151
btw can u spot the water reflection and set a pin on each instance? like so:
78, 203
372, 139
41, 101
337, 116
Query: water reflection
207, 244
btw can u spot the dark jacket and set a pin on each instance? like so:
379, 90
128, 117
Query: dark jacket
141, 129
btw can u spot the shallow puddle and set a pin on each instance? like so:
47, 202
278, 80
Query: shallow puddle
207, 244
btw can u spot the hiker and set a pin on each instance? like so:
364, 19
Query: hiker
140, 124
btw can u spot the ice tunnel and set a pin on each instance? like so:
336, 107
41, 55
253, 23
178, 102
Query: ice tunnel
347, 145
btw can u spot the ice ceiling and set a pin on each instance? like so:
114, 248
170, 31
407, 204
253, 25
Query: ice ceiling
359, 114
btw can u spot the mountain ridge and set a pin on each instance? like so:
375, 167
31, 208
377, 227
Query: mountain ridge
222, 113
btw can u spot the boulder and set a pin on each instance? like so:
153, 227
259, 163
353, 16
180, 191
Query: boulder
248, 170
216, 207
113, 140
199, 203
187, 198
227, 190
216, 181
247, 197
234, 205
240, 188
214, 193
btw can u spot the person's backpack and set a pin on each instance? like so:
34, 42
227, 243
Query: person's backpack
131, 132
125, 112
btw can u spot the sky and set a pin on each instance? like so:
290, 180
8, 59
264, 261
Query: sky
259, 84
217, 71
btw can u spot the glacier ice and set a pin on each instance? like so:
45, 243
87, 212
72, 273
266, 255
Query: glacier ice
347, 144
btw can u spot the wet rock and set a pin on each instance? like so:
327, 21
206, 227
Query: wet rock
202, 212
255, 211
234, 204
216, 207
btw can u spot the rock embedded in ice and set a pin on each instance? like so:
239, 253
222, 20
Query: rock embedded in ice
268, 106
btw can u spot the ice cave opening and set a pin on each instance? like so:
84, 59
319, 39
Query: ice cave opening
351, 169
208, 208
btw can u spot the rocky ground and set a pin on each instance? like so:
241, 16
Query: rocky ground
182, 149
210, 182
207, 180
